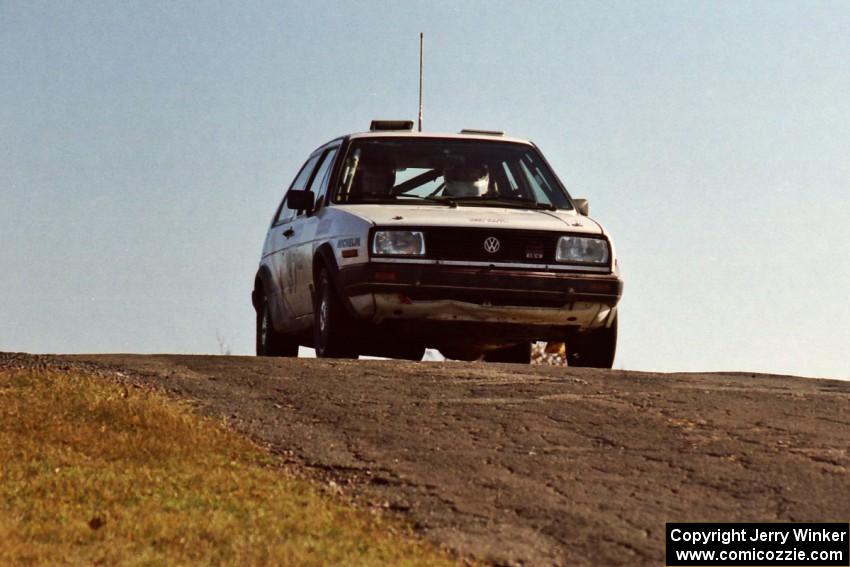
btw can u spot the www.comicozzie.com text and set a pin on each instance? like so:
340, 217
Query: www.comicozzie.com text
755, 534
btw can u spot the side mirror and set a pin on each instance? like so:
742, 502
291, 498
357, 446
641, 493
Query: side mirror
300, 200
582, 206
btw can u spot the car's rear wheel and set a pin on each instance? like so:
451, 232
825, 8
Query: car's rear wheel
595, 349
517, 354
333, 327
270, 342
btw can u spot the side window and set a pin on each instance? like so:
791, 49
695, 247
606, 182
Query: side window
319, 186
283, 213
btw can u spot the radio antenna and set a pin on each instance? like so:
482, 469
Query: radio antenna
421, 49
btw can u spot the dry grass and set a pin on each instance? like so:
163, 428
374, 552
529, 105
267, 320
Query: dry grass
91, 473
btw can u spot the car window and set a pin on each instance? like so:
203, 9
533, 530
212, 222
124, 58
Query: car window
471, 172
536, 181
405, 175
319, 186
510, 177
283, 212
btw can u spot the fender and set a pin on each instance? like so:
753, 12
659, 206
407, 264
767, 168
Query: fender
263, 286
325, 257
260, 285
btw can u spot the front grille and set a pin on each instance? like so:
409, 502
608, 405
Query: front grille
527, 247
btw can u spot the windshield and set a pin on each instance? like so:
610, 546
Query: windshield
454, 172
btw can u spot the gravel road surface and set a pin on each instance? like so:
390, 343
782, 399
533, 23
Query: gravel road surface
536, 465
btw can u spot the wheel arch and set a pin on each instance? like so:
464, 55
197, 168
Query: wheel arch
325, 258
261, 283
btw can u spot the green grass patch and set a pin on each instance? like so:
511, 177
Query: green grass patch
92, 473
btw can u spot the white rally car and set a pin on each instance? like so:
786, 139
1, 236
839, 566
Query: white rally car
391, 241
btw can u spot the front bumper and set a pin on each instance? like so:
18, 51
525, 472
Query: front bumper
379, 291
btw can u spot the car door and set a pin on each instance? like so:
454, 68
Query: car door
304, 244
281, 236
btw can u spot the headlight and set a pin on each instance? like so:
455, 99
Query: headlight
582, 250
398, 243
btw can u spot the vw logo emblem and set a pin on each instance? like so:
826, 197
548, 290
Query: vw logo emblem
492, 244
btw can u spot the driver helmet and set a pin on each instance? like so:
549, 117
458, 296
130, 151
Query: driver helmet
375, 177
466, 180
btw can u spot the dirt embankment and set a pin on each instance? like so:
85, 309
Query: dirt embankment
536, 465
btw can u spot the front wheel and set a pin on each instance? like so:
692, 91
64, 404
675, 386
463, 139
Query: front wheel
594, 349
333, 326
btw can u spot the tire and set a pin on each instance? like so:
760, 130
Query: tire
332, 330
595, 349
517, 354
270, 342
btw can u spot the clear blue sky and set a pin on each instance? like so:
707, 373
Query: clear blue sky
144, 146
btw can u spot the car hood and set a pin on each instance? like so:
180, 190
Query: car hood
484, 217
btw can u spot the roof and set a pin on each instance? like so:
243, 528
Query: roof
437, 135
423, 135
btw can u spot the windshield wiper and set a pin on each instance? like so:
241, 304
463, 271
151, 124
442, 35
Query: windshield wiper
443, 200
533, 203
523, 202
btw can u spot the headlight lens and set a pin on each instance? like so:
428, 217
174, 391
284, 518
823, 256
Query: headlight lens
582, 250
398, 243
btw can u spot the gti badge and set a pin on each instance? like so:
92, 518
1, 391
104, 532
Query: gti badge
491, 244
